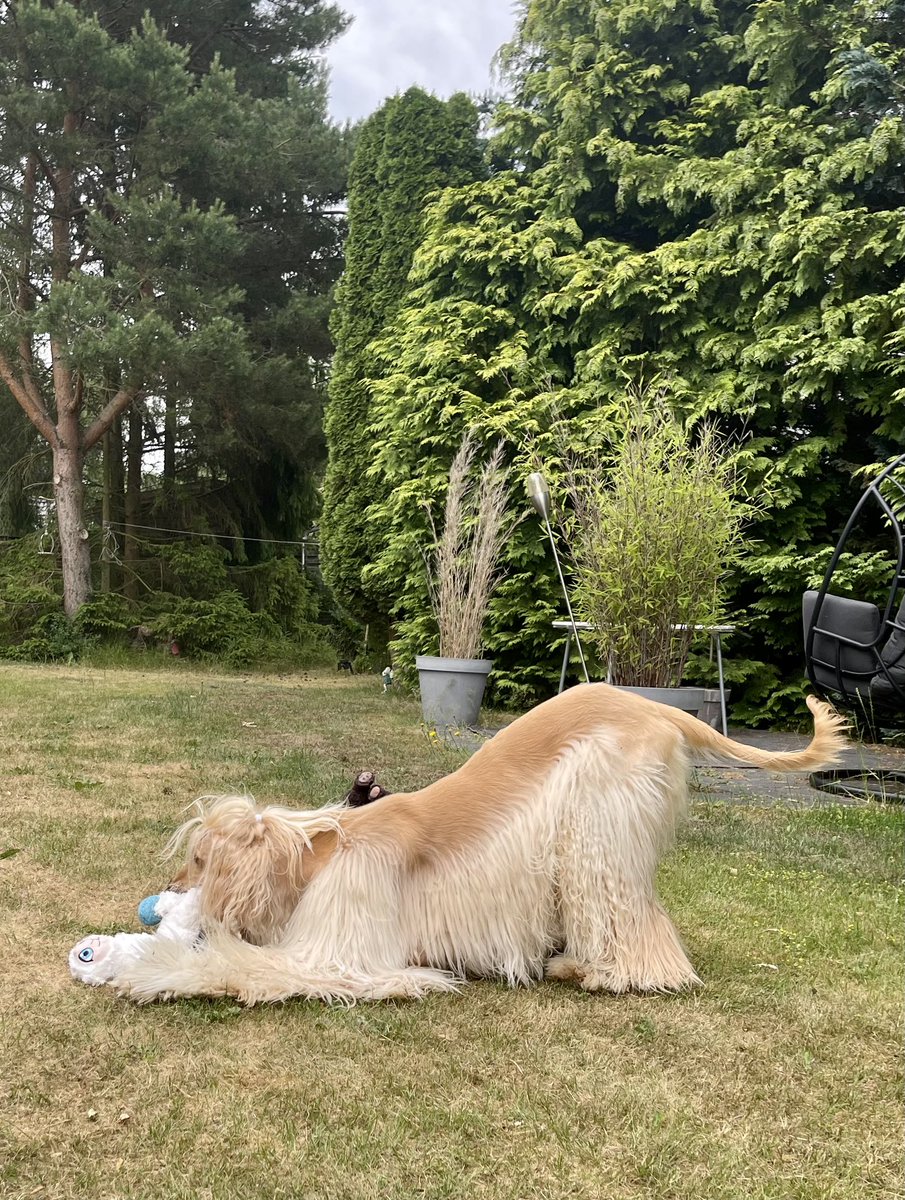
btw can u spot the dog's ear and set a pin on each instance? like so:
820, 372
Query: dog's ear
253, 874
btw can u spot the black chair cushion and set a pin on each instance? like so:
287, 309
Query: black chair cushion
855, 620
884, 684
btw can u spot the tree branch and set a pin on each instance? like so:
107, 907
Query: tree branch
35, 412
28, 379
47, 171
107, 416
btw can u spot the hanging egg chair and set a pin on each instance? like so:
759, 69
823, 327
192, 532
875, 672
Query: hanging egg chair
855, 649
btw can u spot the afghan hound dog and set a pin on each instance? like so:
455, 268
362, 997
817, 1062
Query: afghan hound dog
537, 857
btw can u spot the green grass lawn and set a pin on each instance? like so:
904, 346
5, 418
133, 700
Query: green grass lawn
777, 1079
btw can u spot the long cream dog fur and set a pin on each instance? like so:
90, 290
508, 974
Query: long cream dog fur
537, 856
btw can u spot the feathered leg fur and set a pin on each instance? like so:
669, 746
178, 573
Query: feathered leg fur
617, 936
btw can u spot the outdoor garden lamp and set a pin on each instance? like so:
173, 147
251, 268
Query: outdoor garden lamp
539, 495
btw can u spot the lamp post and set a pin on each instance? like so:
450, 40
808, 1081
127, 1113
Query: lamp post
539, 495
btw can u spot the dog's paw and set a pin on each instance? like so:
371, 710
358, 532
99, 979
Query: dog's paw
597, 979
593, 977
607, 978
564, 968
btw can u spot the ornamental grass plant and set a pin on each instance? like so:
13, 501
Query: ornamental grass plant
655, 524
463, 564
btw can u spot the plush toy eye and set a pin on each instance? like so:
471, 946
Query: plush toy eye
86, 954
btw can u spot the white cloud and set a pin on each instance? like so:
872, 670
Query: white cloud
445, 46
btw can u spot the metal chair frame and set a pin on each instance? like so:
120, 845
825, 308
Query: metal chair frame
855, 696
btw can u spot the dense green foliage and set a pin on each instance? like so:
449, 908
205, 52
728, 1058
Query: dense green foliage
270, 614
243, 440
705, 192
709, 193
410, 148
21, 456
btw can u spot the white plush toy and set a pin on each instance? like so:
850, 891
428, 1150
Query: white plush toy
99, 958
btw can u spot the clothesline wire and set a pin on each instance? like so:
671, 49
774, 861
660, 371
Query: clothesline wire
194, 533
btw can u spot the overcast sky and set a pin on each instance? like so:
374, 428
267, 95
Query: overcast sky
444, 46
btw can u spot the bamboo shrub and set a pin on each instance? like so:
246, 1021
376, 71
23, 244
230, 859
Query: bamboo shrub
463, 564
654, 526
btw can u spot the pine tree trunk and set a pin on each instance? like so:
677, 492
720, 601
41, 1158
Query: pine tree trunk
169, 440
132, 511
69, 493
108, 500
117, 497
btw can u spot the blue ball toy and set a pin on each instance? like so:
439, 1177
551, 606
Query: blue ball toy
147, 911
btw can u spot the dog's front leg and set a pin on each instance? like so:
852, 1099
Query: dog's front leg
347, 927
224, 965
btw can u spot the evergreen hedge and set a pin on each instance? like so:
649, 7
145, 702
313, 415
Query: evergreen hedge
412, 147
706, 193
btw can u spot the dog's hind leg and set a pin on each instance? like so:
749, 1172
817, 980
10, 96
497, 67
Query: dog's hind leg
644, 955
617, 818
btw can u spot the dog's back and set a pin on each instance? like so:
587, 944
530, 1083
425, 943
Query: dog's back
511, 766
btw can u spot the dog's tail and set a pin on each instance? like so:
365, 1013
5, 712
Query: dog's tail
824, 748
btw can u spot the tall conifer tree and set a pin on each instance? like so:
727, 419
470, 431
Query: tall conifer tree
143, 193
410, 148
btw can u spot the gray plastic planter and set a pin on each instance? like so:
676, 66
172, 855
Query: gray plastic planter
689, 699
451, 688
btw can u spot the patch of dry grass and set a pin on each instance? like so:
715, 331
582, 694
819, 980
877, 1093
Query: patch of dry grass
777, 1079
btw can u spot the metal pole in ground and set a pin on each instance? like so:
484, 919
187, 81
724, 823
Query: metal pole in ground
539, 495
